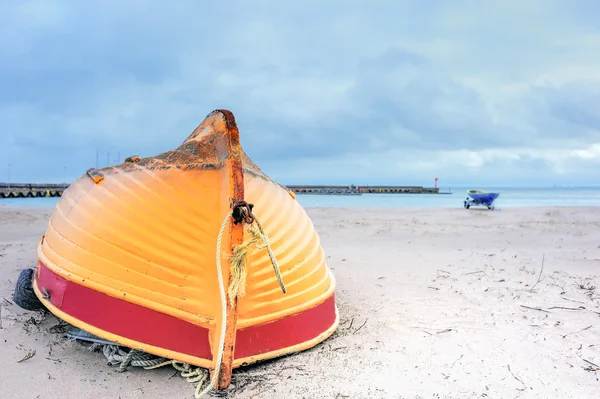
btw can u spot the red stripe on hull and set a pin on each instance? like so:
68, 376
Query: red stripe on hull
150, 327
123, 318
285, 332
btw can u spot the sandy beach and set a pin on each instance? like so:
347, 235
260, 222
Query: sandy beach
434, 303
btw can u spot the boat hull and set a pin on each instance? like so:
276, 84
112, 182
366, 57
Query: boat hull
484, 198
130, 255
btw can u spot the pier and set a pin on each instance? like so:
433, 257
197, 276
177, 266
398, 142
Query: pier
26, 190
352, 189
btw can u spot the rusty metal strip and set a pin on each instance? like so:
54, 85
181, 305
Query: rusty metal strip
229, 153
96, 176
132, 159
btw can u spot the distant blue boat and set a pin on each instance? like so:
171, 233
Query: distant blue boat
482, 198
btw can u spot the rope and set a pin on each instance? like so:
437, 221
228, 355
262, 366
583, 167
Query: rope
117, 356
259, 240
265, 239
194, 375
198, 375
223, 312
240, 271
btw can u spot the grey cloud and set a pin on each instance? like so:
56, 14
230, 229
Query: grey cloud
576, 104
313, 85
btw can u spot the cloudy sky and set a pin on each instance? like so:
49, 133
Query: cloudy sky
495, 92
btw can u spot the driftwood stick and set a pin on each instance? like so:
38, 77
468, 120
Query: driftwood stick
540, 276
461, 356
517, 378
529, 307
571, 300
358, 329
593, 364
438, 332
575, 332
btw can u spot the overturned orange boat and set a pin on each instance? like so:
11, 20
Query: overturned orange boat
193, 255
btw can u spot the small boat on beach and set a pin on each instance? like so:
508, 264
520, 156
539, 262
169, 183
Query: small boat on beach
193, 255
482, 198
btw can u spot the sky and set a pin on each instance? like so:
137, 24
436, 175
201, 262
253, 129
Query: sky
496, 92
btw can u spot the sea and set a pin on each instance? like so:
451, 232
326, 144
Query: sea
451, 198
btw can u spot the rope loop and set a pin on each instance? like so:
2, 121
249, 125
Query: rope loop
241, 213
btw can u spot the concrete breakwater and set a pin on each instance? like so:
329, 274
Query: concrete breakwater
30, 190
353, 190
27, 190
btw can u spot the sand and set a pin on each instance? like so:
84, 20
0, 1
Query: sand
434, 303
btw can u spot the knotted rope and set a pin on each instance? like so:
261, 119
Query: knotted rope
259, 240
